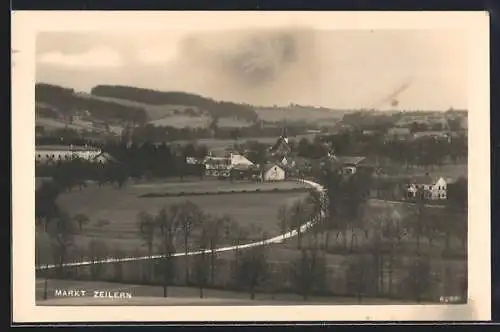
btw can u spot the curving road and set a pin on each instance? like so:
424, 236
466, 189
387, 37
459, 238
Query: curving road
277, 239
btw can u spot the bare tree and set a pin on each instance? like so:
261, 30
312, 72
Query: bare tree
202, 263
358, 279
188, 217
415, 222
169, 223
81, 219
318, 212
308, 271
216, 228
147, 227
61, 231
284, 218
298, 215
393, 232
418, 277
97, 251
118, 266
252, 269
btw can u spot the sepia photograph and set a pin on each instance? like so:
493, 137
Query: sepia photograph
248, 165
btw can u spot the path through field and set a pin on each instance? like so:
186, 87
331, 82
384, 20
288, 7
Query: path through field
276, 239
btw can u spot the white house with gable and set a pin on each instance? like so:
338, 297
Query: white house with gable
273, 172
432, 189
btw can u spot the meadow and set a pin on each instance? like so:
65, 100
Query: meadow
310, 115
113, 212
259, 212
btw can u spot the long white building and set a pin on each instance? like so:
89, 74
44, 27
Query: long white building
54, 153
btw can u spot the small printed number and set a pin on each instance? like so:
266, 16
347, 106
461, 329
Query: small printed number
449, 299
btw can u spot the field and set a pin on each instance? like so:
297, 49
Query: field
182, 121
52, 124
120, 207
320, 116
121, 237
154, 112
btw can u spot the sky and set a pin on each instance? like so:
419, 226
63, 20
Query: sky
344, 69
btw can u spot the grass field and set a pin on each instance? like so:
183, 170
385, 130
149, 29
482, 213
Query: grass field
120, 207
310, 115
213, 186
154, 112
182, 121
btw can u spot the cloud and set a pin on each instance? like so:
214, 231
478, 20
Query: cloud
152, 56
95, 58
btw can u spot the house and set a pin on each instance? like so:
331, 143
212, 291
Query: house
103, 158
217, 166
221, 166
273, 172
437, 135
430, 188
246, 172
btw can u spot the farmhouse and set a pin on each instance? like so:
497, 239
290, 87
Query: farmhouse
59, 153
245, 172
431, 188
437, 135
273, 172
221, 166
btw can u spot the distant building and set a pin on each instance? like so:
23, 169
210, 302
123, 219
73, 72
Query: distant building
246, 172
60, 153
397, 134
438, 135
273, 172
221, 166
351, 164
281, 148
103, 158
430, 188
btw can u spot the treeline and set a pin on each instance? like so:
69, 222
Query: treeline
136, 162
67, 102
217, 109
421, 152
151, 133
378, 121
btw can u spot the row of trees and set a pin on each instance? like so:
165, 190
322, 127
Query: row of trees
421, 152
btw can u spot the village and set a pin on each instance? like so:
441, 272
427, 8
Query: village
282, 161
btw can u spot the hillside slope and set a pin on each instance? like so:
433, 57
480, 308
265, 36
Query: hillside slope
218, 109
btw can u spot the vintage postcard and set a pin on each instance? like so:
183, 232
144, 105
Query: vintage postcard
221, 163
